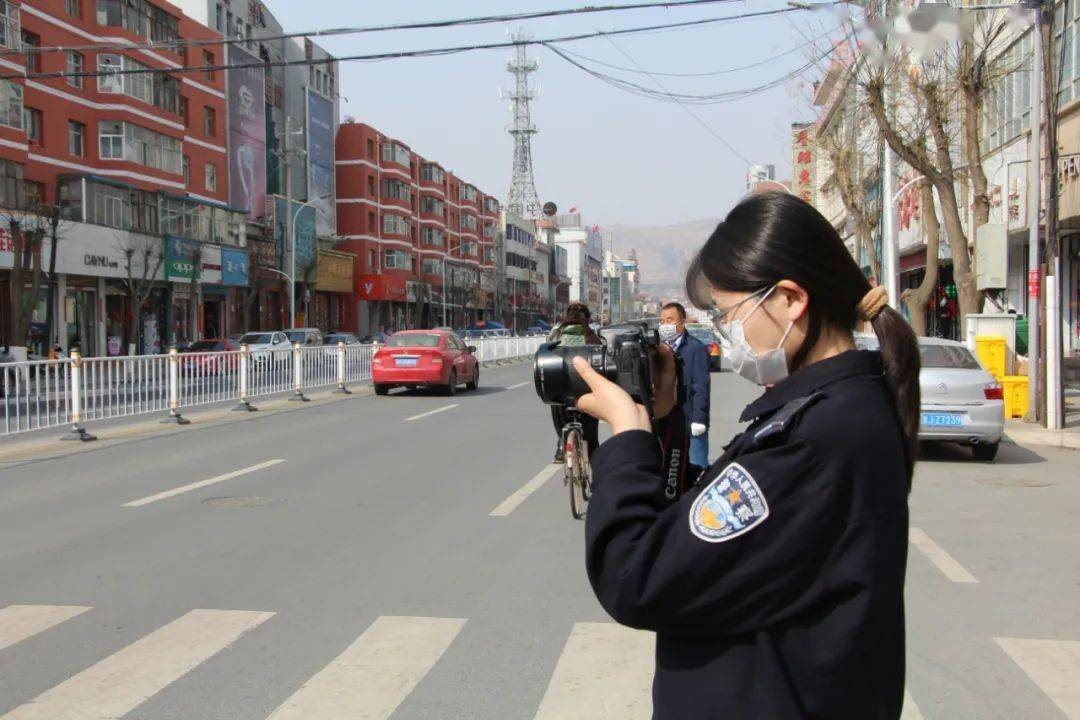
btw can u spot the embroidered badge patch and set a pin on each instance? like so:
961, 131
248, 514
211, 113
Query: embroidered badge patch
731, 505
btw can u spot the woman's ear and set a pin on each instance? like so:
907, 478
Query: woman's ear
793, 298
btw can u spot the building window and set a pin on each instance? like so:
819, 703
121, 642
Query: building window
371, 226
139, 17
11, 104
433, 206
371, 260
154, 88
208, 62
187, 171
371, 185
395, 224
371, 149
127, 141
220, 19
211, 177
76, 138
9, 25
434, 236
209, 121
468, 222
432, 267
432, 173
35, 193
468, 192
397, 260
33, 124
74, 8
12, 190
396, 190
74, 65
32, 41
392, 152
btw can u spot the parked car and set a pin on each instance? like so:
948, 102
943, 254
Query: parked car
207, 357
331, 342
264, 345
304, 336
707, 336
425, 358
961, 402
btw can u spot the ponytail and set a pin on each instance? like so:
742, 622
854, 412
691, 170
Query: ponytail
900, 356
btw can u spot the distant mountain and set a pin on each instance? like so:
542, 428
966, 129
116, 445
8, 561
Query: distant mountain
663, 251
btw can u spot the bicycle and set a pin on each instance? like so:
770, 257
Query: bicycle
577, 472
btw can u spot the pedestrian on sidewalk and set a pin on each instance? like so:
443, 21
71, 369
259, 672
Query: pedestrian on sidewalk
776, 584
696, 380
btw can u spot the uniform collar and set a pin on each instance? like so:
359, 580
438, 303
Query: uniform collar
815, 376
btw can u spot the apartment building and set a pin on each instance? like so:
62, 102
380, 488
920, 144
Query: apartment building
424, 239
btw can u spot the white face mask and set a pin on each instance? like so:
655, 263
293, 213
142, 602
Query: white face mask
767, 368
668, 331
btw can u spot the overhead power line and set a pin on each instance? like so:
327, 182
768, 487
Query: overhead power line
398, 54
332, 32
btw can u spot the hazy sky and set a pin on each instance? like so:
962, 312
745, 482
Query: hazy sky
619, 158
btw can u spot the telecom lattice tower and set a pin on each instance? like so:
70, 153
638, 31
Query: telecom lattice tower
522, 197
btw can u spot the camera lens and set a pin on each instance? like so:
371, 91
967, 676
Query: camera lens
556, 380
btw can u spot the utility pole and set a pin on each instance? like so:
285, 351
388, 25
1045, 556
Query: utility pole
1034, 187
522, 197
890, 262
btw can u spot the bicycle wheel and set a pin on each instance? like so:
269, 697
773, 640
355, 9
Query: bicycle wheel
586, 470
574, 470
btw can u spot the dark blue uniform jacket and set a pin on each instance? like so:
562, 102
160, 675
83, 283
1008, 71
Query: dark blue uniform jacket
775, 585
695, 358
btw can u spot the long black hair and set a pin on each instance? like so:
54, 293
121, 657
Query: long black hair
773, 236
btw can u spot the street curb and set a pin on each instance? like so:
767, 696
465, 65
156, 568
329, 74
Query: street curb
1050, 438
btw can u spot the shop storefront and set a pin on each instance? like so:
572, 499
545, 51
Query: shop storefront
1069, 177
333, 283
234, 277
268, 310
383, 302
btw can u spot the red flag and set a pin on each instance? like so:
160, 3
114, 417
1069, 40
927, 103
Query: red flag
573, 210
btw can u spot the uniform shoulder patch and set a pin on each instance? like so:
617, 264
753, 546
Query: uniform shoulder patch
732, 504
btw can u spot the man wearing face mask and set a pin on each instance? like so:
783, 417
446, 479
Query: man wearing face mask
695, 364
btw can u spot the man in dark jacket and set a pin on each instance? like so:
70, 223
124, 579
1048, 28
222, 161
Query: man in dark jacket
695, 363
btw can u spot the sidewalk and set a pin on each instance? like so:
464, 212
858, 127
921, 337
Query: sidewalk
1023, 433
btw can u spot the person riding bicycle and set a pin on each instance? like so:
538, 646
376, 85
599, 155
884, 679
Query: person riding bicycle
574, 329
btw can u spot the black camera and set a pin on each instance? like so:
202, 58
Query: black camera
627, 357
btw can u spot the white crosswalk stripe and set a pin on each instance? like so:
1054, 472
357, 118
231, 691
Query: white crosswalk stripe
374, 674
604, 673
124, 680
1053, 665
18, 622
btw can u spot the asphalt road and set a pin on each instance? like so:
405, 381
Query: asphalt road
342, 561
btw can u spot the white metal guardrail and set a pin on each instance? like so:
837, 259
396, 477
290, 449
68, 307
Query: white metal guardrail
69, 392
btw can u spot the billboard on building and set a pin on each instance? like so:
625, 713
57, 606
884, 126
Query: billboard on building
803, 166
320, 137
284, 212
234, 266
247, 134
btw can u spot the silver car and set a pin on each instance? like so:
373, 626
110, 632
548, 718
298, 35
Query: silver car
961, 402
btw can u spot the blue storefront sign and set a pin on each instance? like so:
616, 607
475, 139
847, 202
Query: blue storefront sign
234, 266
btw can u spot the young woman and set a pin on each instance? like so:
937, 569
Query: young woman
775, 585
574, 329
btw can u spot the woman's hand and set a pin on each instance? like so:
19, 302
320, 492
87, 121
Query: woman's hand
613, 405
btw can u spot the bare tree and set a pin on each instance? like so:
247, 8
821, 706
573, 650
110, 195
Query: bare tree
196, 256
916, 299
143, 258
26, 274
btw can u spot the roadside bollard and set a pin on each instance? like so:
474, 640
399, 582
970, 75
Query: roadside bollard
77, 432
298, 375
174, 390
341, 389
244, 405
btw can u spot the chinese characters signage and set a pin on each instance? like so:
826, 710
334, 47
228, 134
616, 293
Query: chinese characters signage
803, 182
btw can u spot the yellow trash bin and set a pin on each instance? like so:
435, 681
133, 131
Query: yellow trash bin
993, 354
1015, 389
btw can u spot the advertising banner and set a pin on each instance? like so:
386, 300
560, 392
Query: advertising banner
803, 165
180, 254
247, 135
210, 264
335, 272
234, 266
320, 156
284, 212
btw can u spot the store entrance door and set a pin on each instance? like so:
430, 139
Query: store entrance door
81, 315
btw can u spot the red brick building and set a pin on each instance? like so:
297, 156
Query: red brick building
412, 225
127, 157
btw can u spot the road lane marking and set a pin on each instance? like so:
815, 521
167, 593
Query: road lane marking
945, 562
519, 496
1053, 665
201, 484
911, 710
431, 412
520, 385
375, 673
127, 678
605, 672
18, 622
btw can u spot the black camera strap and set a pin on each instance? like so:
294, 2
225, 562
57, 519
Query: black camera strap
674, 434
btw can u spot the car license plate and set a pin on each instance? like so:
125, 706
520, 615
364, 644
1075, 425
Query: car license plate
405, 362
942, 420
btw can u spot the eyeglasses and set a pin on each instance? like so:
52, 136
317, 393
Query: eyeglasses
720, 317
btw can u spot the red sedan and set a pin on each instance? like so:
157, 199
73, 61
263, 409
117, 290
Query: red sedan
425, 358
207, 357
